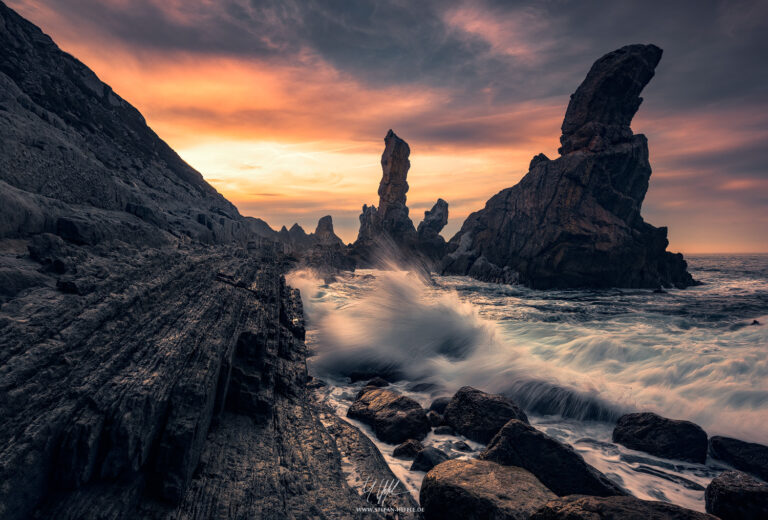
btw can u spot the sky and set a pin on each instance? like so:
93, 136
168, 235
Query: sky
283, 105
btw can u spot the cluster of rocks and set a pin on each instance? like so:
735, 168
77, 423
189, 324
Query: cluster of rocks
731, 495
524, 473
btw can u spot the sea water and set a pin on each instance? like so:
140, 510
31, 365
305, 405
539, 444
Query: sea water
574, 360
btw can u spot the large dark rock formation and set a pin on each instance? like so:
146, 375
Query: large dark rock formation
575, 221
387, 232
324, 233
431, 243
152, 362
389, 224
78, 161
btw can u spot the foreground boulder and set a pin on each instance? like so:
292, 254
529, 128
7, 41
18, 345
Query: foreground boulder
480, 489
428, 458
667, 438
746, 456
737, 496
394, 418
479, 415
555, 464
575, 221
408, 449
614, 508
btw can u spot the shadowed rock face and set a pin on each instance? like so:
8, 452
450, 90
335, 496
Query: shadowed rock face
576, 507
575, 221
668, 438
733, 495
603, 106
556, 465
76, 158
746, 456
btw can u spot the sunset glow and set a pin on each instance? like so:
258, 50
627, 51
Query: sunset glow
293, 135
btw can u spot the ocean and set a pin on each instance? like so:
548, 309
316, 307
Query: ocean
575, 360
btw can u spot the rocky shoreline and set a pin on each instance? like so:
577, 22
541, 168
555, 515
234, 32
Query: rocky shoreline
524, 473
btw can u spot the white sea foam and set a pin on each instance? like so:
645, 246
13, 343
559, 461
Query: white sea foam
573, 359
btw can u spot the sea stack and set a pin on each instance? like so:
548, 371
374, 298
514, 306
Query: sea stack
388, 231
575, 221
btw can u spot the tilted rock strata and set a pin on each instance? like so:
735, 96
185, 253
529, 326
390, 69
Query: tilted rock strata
152, 362
77, 159
575, 221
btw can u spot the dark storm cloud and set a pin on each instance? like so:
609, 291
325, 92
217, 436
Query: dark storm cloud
713, 49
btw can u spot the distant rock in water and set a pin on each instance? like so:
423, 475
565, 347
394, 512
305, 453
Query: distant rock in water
324, 233
431, 243
388, 230
322, 250
575, 221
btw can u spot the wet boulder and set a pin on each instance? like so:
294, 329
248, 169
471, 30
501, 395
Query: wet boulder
734, 495
746, 456
439, 405
408, 449
394, 417
479, 489
667, 438
555, 464
428, 458
578, 507
479, 415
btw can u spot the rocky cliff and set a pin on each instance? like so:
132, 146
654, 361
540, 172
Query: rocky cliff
575, 221
152, 361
